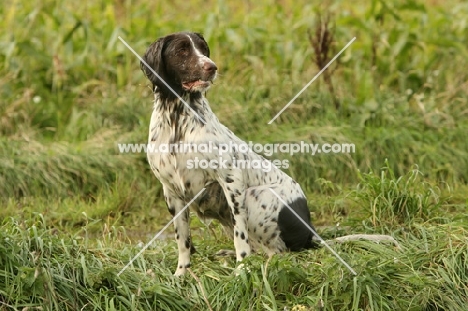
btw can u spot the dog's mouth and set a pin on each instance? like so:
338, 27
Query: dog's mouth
196, 85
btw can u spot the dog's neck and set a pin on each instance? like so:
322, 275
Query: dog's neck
175, 92
172, 118
174, 111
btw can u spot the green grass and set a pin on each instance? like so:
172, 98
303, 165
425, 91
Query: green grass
43, 267
73, 209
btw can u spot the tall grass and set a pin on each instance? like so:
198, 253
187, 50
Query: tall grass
388, 200
43, 268
400, 85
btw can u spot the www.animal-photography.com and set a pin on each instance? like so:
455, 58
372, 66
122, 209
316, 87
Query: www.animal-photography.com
251, 155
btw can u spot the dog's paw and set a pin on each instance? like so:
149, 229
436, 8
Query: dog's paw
180, 271
226, 253
241, 269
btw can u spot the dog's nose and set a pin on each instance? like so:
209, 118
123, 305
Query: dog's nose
209, 67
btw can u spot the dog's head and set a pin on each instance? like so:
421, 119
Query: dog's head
182, 61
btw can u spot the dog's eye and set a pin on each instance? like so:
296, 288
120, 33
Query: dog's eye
182, 52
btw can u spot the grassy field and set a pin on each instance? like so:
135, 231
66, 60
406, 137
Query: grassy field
73, 211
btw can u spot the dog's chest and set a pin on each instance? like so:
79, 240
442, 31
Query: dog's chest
172, 156
172, 168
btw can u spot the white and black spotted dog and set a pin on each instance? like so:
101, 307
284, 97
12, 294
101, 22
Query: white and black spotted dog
239, 198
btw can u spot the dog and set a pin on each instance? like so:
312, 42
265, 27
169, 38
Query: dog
242, 200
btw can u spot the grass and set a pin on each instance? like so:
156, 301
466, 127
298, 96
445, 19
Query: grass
74, 210
43, 267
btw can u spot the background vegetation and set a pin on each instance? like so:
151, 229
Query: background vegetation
74, 211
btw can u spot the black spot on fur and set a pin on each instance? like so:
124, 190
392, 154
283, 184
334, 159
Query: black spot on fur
243, 254
263, 206
294, 233
171, 210
187, 242
236, 233
242, 236
229, 180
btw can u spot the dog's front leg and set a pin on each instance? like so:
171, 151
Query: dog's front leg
235, 194
182, 231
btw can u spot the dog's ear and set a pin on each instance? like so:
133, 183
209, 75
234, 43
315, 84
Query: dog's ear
153, 58
206, 44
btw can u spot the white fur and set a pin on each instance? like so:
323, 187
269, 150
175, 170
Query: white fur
202, 59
